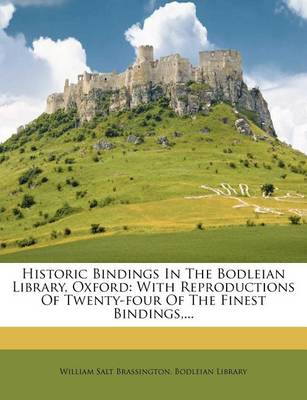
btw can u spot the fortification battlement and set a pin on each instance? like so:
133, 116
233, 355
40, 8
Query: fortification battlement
145, 54
214, 67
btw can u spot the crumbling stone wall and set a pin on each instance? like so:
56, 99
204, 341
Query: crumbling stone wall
214, 68
219, 74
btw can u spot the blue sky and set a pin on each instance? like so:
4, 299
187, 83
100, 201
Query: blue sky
263, 35
42, 45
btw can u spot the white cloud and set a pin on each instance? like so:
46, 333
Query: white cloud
173, 28
298, 7
15, 111
287, 99
29, 74
66, 58
6, 14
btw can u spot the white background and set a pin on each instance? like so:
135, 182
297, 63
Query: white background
25, 310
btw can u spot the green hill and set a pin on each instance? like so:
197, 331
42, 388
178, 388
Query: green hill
140, 172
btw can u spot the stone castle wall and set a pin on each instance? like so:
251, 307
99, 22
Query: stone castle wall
214, 66
227, 61
219, 74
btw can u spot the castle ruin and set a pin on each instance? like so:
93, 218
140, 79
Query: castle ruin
219, 71
168, 70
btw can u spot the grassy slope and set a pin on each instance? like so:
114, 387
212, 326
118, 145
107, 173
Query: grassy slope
237, 244
147, 183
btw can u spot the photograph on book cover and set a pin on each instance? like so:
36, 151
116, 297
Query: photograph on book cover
153, 198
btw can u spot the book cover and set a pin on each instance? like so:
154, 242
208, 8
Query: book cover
153, 199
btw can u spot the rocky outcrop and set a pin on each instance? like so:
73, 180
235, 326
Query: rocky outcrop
253, 101
136, 140
184, 99
243, 127
163, 141
103, 145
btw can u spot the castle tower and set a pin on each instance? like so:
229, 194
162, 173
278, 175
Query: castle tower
145, 53
226, 62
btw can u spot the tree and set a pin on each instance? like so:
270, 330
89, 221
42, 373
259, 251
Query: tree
96, 228
295, 220
268, 189
27, 201
67, 232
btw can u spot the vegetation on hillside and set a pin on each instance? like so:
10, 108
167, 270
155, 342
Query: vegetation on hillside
132, 171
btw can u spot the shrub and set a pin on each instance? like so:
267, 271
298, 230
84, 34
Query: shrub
39, 223
232, 165
158, 118
295, 220
54, 235
67, 232
72, 182
51, 157
200, 226
44, 179
111, 133
26, 242
93, 203
27, 201
3, 245
62, 212
96, 228
80, 137
250, 223
28, 175
267, 166
281, 164
143, 123
17, 213
164, 102
70, 161
81, 195
59, 170
3, 159
140, 109
96, 159
107, 201
268, 189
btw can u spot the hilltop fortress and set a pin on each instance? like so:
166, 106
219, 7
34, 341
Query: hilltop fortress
218, 77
